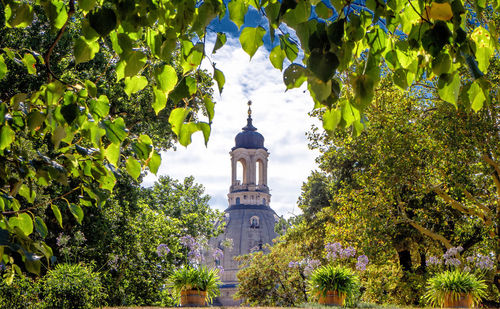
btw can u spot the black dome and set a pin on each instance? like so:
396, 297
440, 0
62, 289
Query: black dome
249, 139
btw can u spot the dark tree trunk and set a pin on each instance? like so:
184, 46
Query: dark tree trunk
405, 259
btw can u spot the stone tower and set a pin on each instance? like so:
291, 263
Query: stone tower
249, 219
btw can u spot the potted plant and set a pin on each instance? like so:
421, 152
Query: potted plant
455, 289
195, 286
332, 284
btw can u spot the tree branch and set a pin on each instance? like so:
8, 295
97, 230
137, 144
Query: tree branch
15, 212
456, 205
58, 37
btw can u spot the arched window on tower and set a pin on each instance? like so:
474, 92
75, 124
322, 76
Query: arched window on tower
264, 201
254, 222
238, 201
241, 171
260, 172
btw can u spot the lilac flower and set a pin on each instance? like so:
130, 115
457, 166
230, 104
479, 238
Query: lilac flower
452, 262
220, 269
484, 262
432, 260
217, 254
362, 262
188, 241
347, 252
293, 264
470, 259
467, 269
332, 251
62, 240
162, 250
309, 265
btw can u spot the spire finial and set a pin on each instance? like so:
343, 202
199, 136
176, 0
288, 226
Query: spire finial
249, 126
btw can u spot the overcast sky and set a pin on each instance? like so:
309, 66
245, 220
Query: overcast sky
281, 117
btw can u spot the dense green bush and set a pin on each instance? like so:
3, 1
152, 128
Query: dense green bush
71, 286
20, 294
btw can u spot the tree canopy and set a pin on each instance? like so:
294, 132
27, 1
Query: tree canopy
65, 131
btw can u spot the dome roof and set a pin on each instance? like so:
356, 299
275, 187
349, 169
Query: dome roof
249, 138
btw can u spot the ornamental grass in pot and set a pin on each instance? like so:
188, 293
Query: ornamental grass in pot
332, 284
455, 289
195, 286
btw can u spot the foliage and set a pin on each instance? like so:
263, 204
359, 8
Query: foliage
138, 244
21, 294
195, 278
71, 286
88, 145
333, 278
269, 280
454, 282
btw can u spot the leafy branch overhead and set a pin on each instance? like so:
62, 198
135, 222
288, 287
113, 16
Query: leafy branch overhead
155, 49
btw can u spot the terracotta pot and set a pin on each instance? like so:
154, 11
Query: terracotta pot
463, 301
332, 298
193, 298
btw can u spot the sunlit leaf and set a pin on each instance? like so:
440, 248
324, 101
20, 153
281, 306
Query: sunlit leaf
134, 84
133, 167
77, 212
251, 39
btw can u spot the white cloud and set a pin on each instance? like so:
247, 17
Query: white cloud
281, 117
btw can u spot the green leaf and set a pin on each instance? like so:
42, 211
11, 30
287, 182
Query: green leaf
193, 58
86, 5
23, 222
251, 39
184, 89
134, 63
57, 214
7, 136
364, 87
187, 130
85, 50
58, 135
56, 12
299, 14
449, 87
220, 79
291, 49
331, 119
323, 65
323, 11
294, 76
237, 11
33, 266
176, 119
154, 162
160, 100
116, 130
133, 167
476, 96
135, 84
219, 42
485, 48
77, 212
30, 62
319, 89
40, 227
349, 113
28, 193
277, 56
205, 129
103, 21
112, 153
166, 78
18, 14
91, 88
3, 67
209, 107
99, 108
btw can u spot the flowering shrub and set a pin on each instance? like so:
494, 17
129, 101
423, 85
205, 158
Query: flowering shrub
455, 275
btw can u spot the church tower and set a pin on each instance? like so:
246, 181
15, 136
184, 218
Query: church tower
249, 219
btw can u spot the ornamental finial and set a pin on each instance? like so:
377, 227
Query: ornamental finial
249, 108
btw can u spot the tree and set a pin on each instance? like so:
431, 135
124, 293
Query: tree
89, 144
